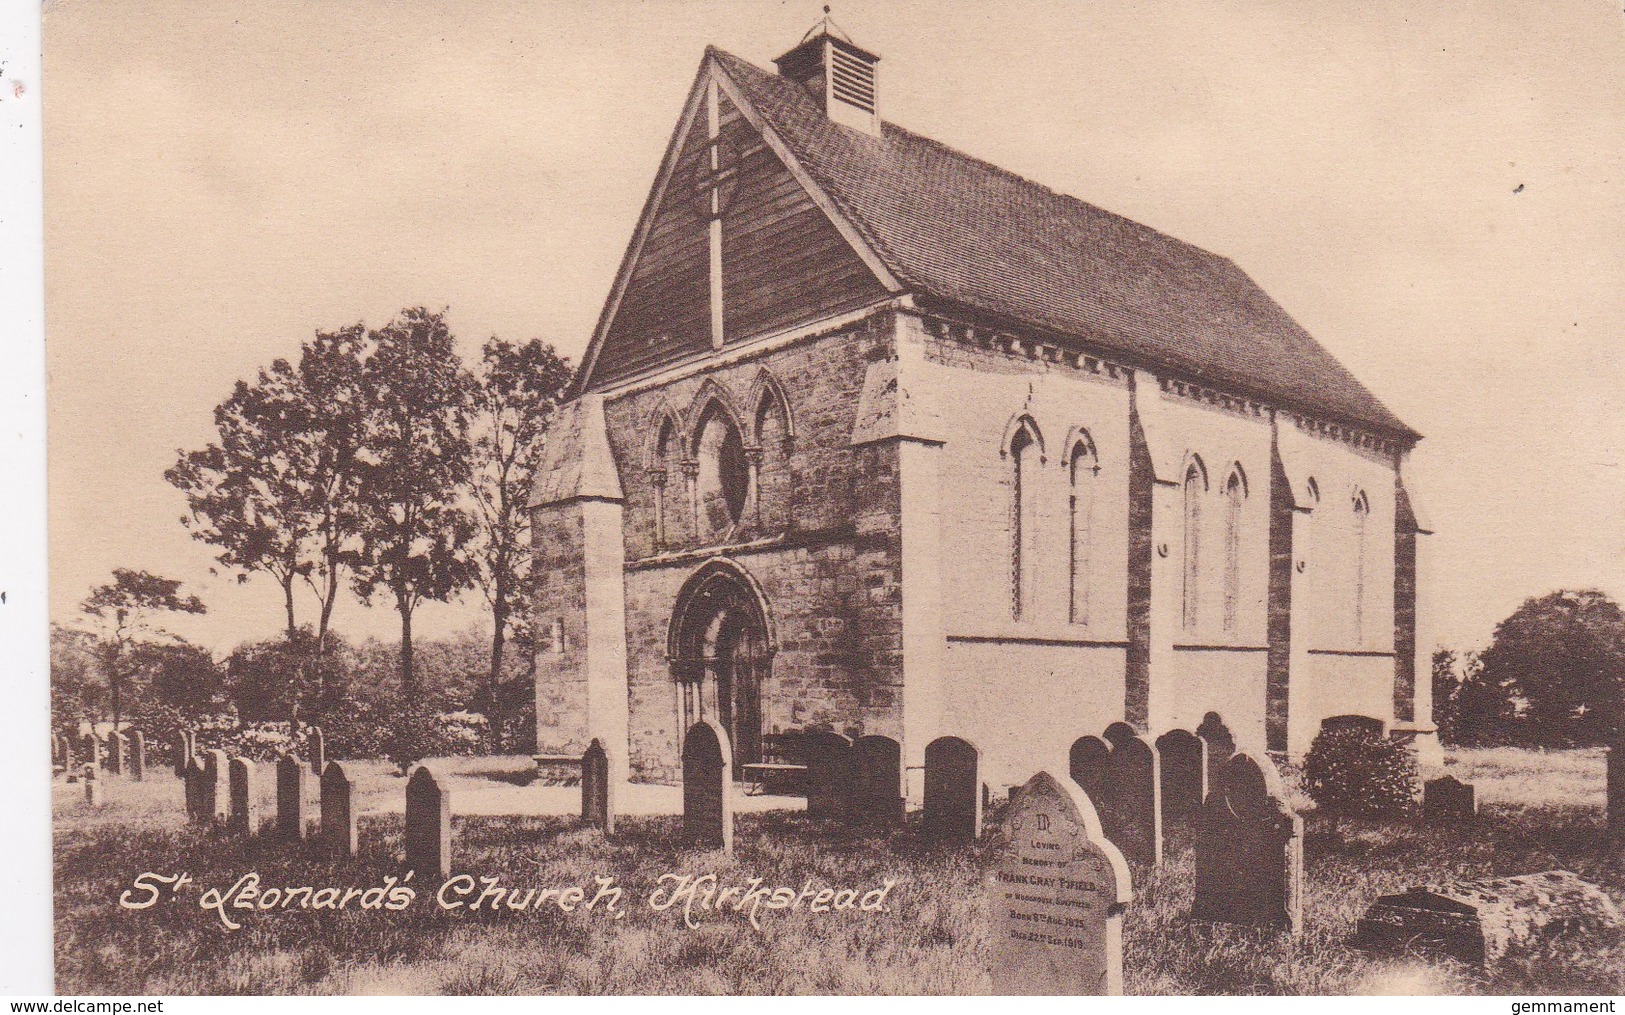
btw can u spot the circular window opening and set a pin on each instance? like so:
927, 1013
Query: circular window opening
724, 475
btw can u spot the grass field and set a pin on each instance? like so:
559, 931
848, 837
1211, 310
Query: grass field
1541, 810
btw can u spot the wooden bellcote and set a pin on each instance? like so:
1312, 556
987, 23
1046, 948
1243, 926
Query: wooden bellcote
839, 74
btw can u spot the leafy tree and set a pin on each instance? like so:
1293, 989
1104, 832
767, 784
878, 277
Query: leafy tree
413, 464
513, 393
245, 493
1446, 685
76, 687
1563, 654
1485, 710
177, 675
126, 611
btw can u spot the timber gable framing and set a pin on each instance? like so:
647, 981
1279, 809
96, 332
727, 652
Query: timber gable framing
712, 75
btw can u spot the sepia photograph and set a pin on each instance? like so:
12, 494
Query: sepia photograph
726, 498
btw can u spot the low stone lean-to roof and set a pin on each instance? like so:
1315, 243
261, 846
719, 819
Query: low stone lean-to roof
957, 229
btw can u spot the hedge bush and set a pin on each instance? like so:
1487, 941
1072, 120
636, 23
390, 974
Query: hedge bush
1352, 772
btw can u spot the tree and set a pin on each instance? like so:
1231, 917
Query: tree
125, 610
246, 493
1446, 684
1563, 654
413, 464
513, 393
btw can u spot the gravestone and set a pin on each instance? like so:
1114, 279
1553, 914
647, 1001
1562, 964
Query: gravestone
138, 755
337, 830
1086, 763
316, 748
118, 753
1480, 922
1118, 732
829, 774
93, 786
428, 823
1182, 757
1131, 800
1361, 723
93, 750
1221, 744
1616, 796
708, 814
197, 806
1447, 800
953, 791
290, 797
56, 752
216, 786
67, 759
597, 792
244, 819
1249, 851
1059, 892
877, 782
184, 751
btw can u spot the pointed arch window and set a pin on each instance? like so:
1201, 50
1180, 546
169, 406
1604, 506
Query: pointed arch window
660, 472
1362, 518
1082, 467
1190, 589
724, 475
1235, 495
1026, 455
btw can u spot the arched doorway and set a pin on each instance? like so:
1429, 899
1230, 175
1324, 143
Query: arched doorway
721, 650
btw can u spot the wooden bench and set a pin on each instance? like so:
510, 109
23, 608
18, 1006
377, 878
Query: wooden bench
781, 769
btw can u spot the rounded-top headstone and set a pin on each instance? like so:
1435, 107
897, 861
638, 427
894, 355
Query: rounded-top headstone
877, 781
708, 819
953, 790
1058, 896
1086, 763
1118, 732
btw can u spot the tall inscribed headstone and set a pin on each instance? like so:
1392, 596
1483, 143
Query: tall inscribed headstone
428, 823
708, 814
1058, 896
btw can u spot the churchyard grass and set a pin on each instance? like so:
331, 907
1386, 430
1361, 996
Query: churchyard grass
934, 939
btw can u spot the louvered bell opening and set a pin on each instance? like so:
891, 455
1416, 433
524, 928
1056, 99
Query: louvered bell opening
852, 80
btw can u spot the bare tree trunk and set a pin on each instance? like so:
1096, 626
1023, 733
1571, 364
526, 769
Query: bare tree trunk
408, 678
499, 636
287, 604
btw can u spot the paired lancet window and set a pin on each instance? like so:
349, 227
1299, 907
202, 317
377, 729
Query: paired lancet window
1026, 457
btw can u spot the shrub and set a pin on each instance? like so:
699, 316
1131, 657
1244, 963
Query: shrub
1357, 772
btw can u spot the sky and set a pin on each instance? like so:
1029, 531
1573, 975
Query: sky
1435, 191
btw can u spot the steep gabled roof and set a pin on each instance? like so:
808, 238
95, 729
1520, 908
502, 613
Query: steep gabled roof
962, 231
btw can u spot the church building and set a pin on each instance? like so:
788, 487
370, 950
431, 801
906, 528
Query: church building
875, 437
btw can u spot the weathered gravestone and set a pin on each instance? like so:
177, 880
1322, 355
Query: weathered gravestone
216, 785
195, 781
1130, 807
1118, 732
1447, 800
290, 797
1058, 896
337, 830
56, 753
829, 774
708, 813
597, 792
1479, 922
1616, 796
138, 755
118, 753
1220, 745
877, 782
183, 753
1182, 758
428, 823
1249, 851
953, 790
245, 814
1360, 723
1086, 763
67, 760
93, 786
316, 748
93, 750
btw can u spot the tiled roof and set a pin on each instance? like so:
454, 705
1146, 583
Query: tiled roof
966, 232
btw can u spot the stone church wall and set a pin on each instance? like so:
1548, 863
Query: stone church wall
825, 552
